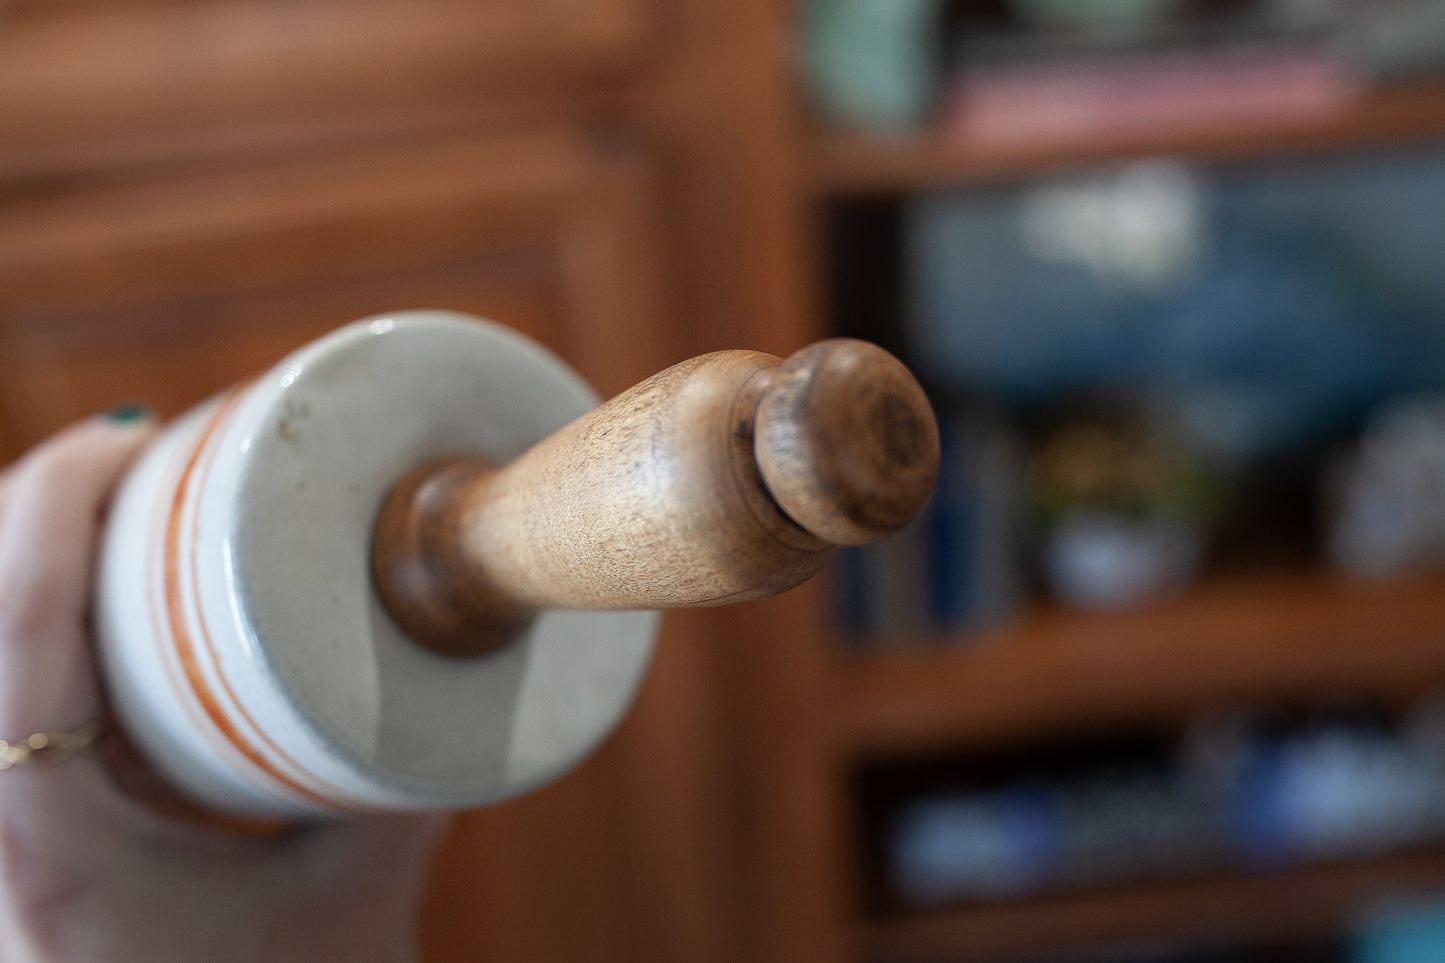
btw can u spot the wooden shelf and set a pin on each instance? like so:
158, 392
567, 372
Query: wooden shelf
1303, 905
1264, 638
853, 163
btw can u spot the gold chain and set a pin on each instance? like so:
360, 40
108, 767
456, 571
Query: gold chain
49, 746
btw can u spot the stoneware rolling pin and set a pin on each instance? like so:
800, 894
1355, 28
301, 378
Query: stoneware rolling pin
412, 566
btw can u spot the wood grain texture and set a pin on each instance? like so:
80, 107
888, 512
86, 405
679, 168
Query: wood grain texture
169, 290
184, 200
120, 84
658, 498
846, 441
1257, 638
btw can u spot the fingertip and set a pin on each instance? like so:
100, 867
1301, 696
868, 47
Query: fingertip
89, 457
128, 435
55, 502
132, 419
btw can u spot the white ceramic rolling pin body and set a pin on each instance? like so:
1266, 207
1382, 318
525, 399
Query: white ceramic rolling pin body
245, 649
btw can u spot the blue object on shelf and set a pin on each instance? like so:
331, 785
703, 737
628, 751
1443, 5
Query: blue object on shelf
1274, 301
1402, 934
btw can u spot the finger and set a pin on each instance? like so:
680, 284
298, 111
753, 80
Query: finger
5, 474
47, 548
378, 862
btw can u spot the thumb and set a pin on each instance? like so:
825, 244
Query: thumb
54, 501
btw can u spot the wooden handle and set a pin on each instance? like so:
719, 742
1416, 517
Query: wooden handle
728, 477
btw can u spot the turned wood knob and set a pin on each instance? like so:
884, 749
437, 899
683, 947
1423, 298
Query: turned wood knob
731, 476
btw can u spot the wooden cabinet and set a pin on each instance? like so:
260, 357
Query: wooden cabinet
191, 188
171, 289
119, 83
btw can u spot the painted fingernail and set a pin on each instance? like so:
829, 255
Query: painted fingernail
129, 413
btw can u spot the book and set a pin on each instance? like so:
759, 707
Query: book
1150, 95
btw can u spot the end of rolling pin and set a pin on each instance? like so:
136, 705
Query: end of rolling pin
648, 501
846, 441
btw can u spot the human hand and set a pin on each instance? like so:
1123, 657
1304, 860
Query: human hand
88, 871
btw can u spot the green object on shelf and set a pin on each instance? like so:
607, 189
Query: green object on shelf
872, 63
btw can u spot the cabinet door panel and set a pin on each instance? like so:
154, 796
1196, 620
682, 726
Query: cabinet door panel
170, 291
92, 84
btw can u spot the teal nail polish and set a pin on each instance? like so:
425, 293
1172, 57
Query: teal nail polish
129, 413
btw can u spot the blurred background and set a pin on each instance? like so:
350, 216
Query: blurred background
1160, 673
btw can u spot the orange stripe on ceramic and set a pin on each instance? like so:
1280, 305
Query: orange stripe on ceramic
185, 646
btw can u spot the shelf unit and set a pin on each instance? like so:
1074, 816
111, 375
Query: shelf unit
1305, 905
1232, 640
850, 163
1280, 636
1237, 641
